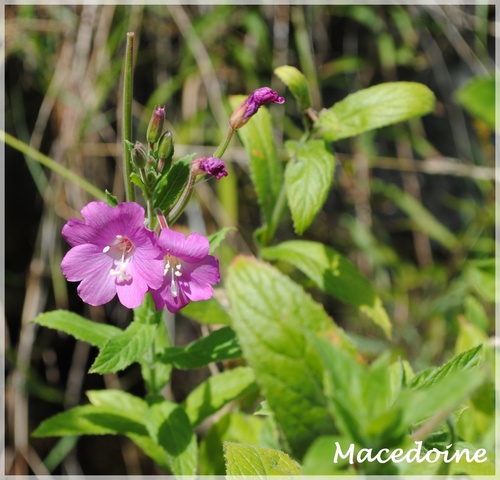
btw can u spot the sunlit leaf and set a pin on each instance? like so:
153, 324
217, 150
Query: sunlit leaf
97, 334
334, 274
243, 460
272, 317
217, 391
308, 177
297, 83
374, 107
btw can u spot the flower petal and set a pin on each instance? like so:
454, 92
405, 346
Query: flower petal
191, 249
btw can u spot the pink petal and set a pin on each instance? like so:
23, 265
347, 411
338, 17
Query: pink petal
192, 249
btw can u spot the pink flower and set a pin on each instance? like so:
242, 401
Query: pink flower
189, 271
259, 97
112, 253
209, 165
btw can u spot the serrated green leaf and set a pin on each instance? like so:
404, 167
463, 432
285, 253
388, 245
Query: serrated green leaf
90, 420
124, 349
170, 186
461, 362
420, 217
297, 84
266, 170
218, 237
272, 317
334, 274
134, 407
243, 460
443, 395
217, 391
96, 334
207, 311
219, 345
233, 427
308, 177
374, 107
168, 425
478, 97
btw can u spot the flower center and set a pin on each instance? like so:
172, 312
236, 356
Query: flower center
173, 265
122, 250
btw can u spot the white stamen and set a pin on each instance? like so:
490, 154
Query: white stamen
106, 249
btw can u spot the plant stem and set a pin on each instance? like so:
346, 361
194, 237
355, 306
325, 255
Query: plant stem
223, 146
128, 82
174, 214
52, 164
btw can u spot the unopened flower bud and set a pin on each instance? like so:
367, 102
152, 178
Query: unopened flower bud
259, 97
166, 146
210, 165
155, 126
139, 155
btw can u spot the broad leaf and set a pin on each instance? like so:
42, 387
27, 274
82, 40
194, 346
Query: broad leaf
308, 177
374, 107
478, 97
272, 317
168, 425
464, 361
297, 83
126, 403
218, 345
250, 460
334, 274
131, 345
266, 170
217, 391
97, 334
207, 311
170, 187
90, 420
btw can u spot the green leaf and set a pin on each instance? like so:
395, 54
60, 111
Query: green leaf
480, 275
168, 425
97, 334
478, 97
243, 460
217, 391
170, 186
218, 237
233, 427
272, 317
422, 219
266, 171
297, 83
131, 345
134, 407
334, 274
308, 177
444, 395
219, 345
90, 420
207, 311
374, 107
463, 361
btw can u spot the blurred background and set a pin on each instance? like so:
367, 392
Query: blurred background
412, 205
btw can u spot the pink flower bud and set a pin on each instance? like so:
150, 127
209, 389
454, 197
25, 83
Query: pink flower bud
259, 97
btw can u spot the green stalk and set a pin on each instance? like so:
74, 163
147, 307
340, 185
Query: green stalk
222, 147
128, 86
52, 164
